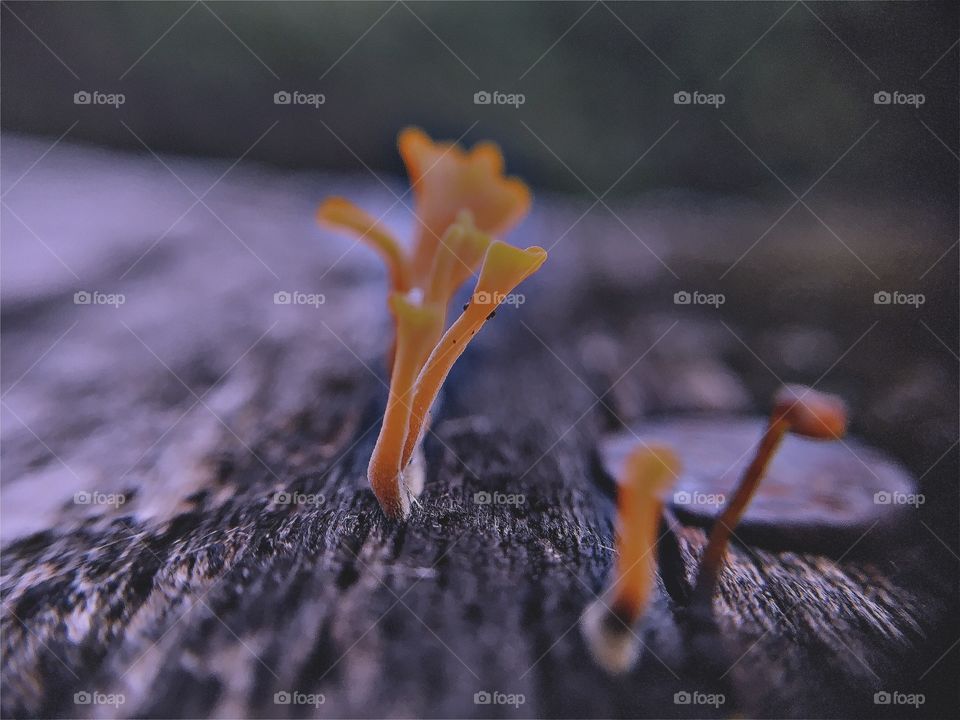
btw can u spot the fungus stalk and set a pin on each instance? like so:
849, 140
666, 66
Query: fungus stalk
608, 623
462, 198
504, 267
796, 409
416, 326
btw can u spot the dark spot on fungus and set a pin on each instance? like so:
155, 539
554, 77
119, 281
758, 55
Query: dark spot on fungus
620, 618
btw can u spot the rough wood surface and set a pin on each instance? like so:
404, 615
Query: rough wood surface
199, 400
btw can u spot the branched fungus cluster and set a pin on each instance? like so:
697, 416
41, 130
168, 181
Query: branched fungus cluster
461, 200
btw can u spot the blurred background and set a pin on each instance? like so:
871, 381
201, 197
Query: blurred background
598, 81
814, 165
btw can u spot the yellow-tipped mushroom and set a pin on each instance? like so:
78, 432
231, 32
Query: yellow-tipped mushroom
461, 198
797, 409
447, 179
608, 623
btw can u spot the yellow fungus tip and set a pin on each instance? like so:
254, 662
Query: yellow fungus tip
341, 214
607, 625
652, 469
505, 267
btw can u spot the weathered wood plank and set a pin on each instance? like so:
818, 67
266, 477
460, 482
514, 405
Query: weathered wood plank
204, 595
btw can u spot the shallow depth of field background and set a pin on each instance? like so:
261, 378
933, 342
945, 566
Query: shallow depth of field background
598, 79
799, 141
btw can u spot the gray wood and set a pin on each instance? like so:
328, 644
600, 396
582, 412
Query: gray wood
199, 399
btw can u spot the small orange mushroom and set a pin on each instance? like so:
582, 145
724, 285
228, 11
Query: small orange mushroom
447, 179
608, 623
797, 409
461, 198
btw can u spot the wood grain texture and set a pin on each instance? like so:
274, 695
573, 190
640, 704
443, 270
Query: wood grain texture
199, 400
